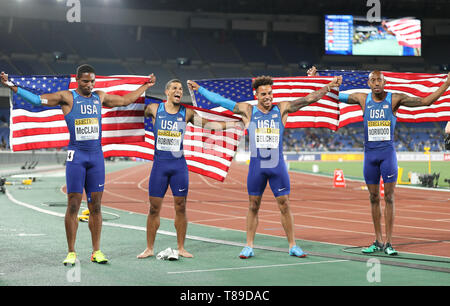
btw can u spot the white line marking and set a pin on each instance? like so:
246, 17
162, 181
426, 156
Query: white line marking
259, 267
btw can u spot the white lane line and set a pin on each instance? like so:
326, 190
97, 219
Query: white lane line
258, 267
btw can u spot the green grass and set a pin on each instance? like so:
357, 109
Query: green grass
354, 169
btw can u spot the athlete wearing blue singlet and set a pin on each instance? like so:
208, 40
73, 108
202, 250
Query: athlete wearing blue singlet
265, 123
266, 148
169, 164
380, 157
85, 168
379, 108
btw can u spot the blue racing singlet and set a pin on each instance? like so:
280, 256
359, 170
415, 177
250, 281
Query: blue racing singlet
84, 122
379, 123
266, 133
169, 131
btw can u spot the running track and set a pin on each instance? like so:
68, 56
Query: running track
322, 213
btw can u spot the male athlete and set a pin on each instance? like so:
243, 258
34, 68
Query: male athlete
85, 166
169, 164
379, 110
265, 123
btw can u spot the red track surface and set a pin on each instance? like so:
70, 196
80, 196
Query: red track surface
322, 213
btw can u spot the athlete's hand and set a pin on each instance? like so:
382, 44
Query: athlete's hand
336, 82
312, 71
4, 80
193, 85
151, 80
448, 79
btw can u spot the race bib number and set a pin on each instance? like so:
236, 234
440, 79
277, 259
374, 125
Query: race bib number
379, 130
70, 154
87, 129
168, 140
267, 138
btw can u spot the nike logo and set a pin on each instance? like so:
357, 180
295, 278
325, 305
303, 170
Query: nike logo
101, 185
370, 106
256, 118
389, 176
181, 190
281, 189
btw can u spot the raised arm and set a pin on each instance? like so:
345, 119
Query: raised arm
195, 119
403, 99
62, 98
115, 100
242, 109
295, 105
354, 98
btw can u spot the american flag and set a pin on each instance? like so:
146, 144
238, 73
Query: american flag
323, 113
125, 131
411, 84
407, 31
39, 127
207, 152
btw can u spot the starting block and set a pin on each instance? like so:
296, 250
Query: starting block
399, 178
338, 180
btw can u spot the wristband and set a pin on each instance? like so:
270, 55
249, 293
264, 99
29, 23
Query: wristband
343, 97
218, 99
29, 96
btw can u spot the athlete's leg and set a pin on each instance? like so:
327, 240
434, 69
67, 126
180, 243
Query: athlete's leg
153, 222
95, 219
71, 218
252, 218
158, 184
389, 171
287, 219
374, 195
372, 175
181, 224
94, 186
75, 180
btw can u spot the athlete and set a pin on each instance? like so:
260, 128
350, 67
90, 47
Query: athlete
85, 166
169, 164
265, 123
380, 159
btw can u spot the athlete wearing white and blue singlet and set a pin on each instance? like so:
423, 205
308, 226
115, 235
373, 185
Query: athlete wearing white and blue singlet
379, 109
169, 164
265, 123
85, 167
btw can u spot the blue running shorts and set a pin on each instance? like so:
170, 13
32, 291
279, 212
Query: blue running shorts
85, 170
380, 162
169, 172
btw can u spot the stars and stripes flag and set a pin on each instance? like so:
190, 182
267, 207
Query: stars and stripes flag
407, 31
125, 131
208, 152
39, 127
323, 113
411, 84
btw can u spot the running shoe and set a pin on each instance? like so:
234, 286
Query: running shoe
297, 251
70, 259
246, 252
98, 257
375, 247
389, 250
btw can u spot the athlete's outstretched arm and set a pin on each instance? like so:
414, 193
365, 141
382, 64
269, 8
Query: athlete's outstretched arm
197, 120
295, 105
50, 99
243, 109
406, 100
354, 98
115, 100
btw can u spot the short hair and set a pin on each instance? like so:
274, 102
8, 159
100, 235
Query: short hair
261, 81
85, 68
172, 81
